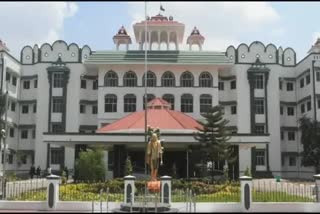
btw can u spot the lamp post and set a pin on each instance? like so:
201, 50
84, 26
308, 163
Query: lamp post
145, 82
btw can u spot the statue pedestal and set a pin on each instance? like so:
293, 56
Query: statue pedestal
154, 186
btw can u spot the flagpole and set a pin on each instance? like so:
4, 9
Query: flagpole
145, 82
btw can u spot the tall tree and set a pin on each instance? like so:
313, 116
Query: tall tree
214, 136
310, 139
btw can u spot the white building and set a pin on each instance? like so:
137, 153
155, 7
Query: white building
60, 94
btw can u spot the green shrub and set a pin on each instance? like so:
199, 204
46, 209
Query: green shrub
90, 165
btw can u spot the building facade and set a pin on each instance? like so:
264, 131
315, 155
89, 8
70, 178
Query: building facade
63, 88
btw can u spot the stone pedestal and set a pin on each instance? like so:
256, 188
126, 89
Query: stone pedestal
129, 188
52, 191
246, 196
166, 189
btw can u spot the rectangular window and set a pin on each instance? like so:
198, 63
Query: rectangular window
318, 76
289, 86
57, 104
82, 109
282, 159
11, 132
25, 109
57, 128
308, 79
56, 155
259, 129
281, 110
10, 159
259, 106
24, 134
233, 109
34, 108
302, 83
221, 86
14, 80
233, 84
280, 85
302, 108
292, 161
58, 80
95, 85
35, 83
291, 136
260, 157
258, 81
282, 135
24, 159
83, 84
26, 84
8, 76
290, 111
33, 133
94, 109
13, 106
309, 105
318, 103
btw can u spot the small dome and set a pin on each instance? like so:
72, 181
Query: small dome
195, 31
122, 31
3, 46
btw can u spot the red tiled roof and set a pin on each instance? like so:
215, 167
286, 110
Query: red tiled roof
163, 118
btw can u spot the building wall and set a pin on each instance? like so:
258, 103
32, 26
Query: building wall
282, 67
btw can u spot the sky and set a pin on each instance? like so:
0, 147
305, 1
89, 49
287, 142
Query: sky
285, 24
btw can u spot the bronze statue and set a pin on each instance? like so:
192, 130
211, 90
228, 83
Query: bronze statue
154, 153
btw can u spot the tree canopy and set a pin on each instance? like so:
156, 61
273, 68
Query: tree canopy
310, 139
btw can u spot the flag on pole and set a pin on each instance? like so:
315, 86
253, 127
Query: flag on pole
161, 8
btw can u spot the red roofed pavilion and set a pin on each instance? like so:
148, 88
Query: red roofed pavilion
159, 115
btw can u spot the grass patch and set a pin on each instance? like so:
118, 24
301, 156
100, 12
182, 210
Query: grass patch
276, 196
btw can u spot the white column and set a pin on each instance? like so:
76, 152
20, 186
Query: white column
159, 40
127, 46
129, 183
69, 158
168, 40
190, 47
166, 189
117, 46
149, 40
52, 191
317, 186
246, 196
244, 158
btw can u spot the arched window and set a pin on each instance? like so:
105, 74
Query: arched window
170, 99
168, 79
151, 79
111, 79
205, 80
186, 79
205, 102
130, 103
186, 103
149, 98
130, 79
110, 103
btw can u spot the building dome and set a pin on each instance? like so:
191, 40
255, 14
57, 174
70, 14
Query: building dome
122, 38
195, 38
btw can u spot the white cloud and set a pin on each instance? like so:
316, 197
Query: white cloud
221, 23
29, 23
